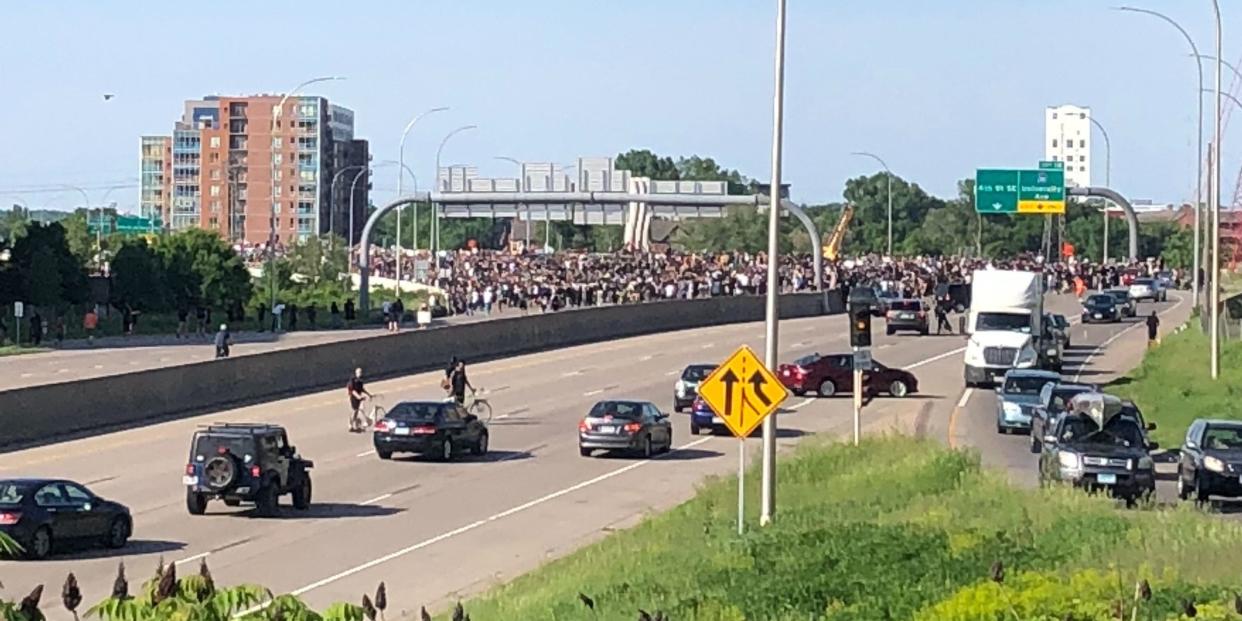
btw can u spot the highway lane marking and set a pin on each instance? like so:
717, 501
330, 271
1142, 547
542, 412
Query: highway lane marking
366, 453
191, 559
961, 403
572, 373
673, 372
461, 530
647, 357
708, 346
592, 393
936, 357
502, 417
380, 498
1086, 361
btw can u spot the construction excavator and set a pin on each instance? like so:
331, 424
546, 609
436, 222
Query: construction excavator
832, 249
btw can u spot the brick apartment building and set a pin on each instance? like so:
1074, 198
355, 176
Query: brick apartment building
215, 170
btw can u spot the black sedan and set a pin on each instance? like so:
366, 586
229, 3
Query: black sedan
630, 426
45, 514
436, 428
1211, 460
1101, 307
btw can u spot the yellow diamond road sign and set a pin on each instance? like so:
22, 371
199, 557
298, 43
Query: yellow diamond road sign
742, 392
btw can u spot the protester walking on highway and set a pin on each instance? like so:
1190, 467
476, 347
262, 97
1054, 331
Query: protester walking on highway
90, 321
357, 395
458, 383
942, 316
223, 340
1153, 330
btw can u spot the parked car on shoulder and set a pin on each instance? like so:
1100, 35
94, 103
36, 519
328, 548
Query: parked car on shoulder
439, 429
1017, 397
245, 462
626, 426
43, 515
687, 387
834, 374
1211, 460
906, 316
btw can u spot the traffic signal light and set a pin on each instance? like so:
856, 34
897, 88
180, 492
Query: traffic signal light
860, 326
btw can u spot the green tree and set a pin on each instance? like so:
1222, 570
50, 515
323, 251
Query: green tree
868, 231
695, 168
644, 163
138, 277
201, 268
43, 271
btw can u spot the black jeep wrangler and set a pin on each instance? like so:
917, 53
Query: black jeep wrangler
240, 463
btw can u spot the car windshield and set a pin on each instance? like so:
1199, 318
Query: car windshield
627, 410
696, 373
1120, 296
1100, 300
906, 305
1003, 321
12, 493
807, 361
1025, 385
415, 412
1142, 282
1118, 431
889, 294
1223, 438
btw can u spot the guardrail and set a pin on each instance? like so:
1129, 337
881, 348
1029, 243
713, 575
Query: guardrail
54, 412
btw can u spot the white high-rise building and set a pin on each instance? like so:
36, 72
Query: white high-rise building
1067, 138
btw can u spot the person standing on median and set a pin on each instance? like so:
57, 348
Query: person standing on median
1153, 330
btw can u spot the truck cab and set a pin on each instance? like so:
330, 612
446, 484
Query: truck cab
1005, 325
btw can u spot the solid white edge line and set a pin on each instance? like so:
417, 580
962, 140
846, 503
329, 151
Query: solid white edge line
1086, 361
476, 524
961, 403
936, 357
191, 559
377, 499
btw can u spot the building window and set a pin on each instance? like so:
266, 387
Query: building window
1054, 143
1054, 115
1082, 144
278, 206
1082, 115
215, 206
1082, 158
278, 158
215, 174
1082, 169
276, 142
215, 190
215, 142
1056, 158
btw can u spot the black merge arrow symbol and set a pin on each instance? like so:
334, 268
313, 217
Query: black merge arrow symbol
757, 382
729, 379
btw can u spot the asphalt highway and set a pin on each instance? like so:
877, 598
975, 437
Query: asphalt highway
1101, 353
436, 532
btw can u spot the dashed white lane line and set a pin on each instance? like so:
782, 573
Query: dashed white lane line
461, 530
191, 559
572, 373
673, 372
365, 453
27, 374
708, 345
591, 393
646, 358
380, 498
961, 403
502, 416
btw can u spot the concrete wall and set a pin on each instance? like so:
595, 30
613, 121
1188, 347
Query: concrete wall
50, 412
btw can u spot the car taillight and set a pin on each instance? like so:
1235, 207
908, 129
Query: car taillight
255, 471
891, 314
385, 425
583, 426
9, 518
424, 430
632, 427
189, 468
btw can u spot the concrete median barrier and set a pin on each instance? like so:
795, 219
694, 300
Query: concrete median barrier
53, 412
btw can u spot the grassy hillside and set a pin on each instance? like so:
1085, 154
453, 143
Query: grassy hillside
895, 529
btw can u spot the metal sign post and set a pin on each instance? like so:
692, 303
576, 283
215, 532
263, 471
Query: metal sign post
741, 485
19, 311
862, 360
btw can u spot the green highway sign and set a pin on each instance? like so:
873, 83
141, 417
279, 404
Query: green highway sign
1046, 165
1020, 191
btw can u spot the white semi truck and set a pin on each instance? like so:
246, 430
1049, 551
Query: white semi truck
1005, 324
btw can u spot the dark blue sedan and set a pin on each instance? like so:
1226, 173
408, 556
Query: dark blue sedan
44, 514
702, 418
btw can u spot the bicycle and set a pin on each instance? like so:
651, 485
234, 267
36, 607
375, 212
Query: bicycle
479, 406
369, 413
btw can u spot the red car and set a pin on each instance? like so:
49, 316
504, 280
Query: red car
834, 374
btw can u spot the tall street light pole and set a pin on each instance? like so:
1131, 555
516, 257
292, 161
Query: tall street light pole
435, 209
1199, 181
522, 188
271, 235
1108, 177
401, 175
332, 199
1214, 297
889, 174
767, 506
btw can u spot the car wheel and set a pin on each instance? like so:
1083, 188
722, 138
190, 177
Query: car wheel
1201, 495
889, 331
827, 388
647, 450
480, 449
302, 495
898, 389
118, 533
383, 454
583, 451
799, 393
694, 429
265, 501
40, 544
446, 451
677, 407
195, 502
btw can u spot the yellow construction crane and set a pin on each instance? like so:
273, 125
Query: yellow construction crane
833, 248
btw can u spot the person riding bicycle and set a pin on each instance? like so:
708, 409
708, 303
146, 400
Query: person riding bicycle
357, 395
458, 383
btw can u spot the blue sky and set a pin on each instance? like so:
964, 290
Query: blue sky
936, 88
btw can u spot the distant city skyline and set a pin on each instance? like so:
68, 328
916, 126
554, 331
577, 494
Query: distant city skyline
938, 91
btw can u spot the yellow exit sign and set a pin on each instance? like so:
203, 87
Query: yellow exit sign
1029, 206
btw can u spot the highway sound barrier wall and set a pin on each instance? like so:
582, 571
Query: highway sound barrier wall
46, 413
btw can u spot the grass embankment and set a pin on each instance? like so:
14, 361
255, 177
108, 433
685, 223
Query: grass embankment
895, 529
14, 350
1173, 385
